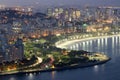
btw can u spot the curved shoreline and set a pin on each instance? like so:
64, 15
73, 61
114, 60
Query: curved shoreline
64, 44
72, 66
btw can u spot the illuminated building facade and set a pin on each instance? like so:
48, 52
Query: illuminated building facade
64, 14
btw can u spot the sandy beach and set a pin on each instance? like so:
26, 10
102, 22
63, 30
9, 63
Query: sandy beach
64, 44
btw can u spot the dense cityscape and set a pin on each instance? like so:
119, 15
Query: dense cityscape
29, 39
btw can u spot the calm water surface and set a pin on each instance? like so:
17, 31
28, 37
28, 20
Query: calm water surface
107, 71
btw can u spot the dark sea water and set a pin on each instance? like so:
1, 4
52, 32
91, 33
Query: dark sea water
107, 71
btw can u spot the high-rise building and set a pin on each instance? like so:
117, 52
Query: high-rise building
49, 12
78, 13
3, 47
17, 50
10, 52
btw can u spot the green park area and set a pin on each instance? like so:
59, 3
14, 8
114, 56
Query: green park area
42, 54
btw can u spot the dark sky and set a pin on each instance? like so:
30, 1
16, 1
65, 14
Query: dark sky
61, 2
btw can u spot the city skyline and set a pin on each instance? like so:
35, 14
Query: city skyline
60, 3
42, 36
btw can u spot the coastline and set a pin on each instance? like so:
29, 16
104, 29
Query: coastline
64, 44
72, 66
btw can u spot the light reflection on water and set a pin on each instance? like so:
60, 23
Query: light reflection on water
53, 75
12, 78
96, 67
98, 45
107, 71
30, 76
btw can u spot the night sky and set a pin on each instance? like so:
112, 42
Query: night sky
61, 2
